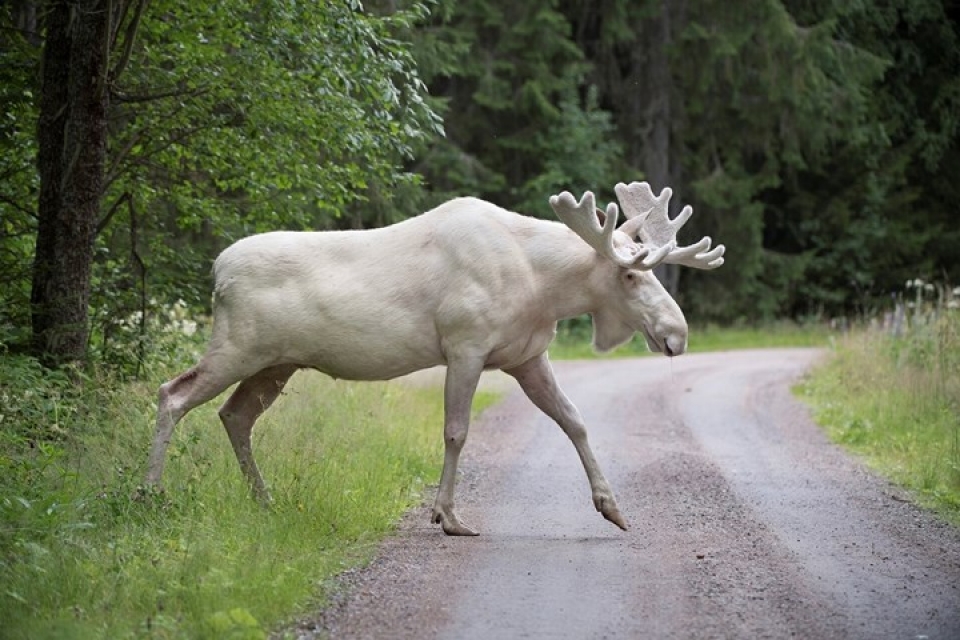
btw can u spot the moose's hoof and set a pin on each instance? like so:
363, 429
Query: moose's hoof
613, 515
608, 509
451, 524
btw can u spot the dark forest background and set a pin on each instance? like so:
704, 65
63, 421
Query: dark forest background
817, 139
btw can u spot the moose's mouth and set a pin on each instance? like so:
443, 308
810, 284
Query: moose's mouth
653, 344
663, 346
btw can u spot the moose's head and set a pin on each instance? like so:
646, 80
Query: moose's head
646, 239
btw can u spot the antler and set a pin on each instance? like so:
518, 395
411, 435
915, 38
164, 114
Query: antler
584, 219
647, 218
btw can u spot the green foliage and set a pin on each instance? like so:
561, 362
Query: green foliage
87, 552
164, 341
37, 403
580, 151
895, 400
769, 99
281, 116
521, 122
41, 411
873, 212
226, 120
794, 129
775, 335
19, 182
813, 138
290, 110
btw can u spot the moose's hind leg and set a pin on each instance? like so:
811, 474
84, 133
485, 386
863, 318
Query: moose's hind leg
175, 399
238, 414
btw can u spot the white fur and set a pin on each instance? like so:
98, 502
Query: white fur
468, 285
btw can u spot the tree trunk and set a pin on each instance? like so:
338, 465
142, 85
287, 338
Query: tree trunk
655, 93
72, 150
654, 97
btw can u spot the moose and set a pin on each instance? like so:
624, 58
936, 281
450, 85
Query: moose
468, 285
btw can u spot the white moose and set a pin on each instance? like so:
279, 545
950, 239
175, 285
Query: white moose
468, 285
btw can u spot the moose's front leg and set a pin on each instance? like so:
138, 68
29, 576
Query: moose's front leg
461, 383
538, 382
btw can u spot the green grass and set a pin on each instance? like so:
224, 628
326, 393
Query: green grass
896, 403
81, 559
573, 341
773, 335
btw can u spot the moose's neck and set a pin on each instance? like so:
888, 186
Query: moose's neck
573, 277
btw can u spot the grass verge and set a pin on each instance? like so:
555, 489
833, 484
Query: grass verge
80, 559
895, 401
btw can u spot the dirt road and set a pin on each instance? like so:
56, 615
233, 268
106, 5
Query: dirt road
745, 523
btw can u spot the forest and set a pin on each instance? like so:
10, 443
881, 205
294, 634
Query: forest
817, 139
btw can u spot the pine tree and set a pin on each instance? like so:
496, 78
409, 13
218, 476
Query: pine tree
520, 120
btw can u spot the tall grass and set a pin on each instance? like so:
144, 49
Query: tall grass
81, 558
894, 398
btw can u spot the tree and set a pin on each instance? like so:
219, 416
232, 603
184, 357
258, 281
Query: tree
19, 183
812, 135
628, 45
72, 135
200, 123
235, 119
885, 211
718, 101
521, 121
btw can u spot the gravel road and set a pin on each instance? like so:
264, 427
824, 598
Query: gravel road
744, 523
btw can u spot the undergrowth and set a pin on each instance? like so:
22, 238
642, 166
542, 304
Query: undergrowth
87, 552
892, 395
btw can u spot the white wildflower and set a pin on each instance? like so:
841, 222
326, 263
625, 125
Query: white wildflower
132, 321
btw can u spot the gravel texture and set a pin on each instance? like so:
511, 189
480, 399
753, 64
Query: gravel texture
745, 523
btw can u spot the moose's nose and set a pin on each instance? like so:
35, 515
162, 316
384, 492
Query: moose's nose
674, 346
